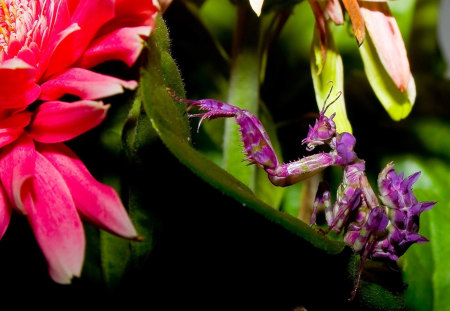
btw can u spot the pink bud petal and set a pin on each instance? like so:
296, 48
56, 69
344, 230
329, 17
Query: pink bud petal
388, 41
55, 221
97, 202
333, 10
84, 84
60, 121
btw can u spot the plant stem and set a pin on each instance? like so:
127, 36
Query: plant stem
243, 91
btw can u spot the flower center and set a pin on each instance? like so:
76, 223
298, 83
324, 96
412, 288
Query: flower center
8, 17
17, 21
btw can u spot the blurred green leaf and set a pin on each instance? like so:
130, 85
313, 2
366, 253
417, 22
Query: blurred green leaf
115, 258
292, 200
397, 104
138, 138
120, 256
433, 135
328, 73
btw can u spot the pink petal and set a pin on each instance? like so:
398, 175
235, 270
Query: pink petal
90, 16
123, 44
98, 202
333, 11
84, 84
5, 212
27, 55
17, 161
137, 12
11, 127
61, 17
47, 55
388, 41
58, 121
17, 87
130, 14
55, 221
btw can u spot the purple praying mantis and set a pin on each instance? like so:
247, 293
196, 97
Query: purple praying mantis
382, 226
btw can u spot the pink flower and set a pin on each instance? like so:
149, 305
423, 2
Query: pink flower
47, 48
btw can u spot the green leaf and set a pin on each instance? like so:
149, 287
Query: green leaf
120, 256
433, 135
162, 73
292, 200
138, 140
426, 266
115, 258
398, 104
328, 73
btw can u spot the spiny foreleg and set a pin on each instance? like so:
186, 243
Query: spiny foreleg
257, 144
